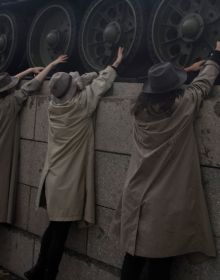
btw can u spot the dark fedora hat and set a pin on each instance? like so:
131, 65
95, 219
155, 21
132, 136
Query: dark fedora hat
164, 77
7, 82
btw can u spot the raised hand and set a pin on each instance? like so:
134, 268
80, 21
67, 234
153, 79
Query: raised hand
61, 59
120, 56
197, 66
217, 46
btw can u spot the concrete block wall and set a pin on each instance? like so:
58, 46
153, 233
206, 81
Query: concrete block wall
90, 253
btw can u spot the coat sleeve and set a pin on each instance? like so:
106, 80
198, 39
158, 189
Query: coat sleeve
99, 87
21, 95
202, 85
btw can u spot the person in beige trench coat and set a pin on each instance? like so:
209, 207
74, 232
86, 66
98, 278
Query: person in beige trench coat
11, 103
162, 212
67, 183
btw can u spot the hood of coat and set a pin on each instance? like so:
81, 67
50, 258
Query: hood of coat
83, 80
67, 90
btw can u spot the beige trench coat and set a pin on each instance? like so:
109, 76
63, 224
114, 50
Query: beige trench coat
163, 212
67, 183
10, 107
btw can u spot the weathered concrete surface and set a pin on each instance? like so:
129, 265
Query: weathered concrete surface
22, 206
110, 176
41, 119
16, 250
100, 245
28, 118
38, 219
32, 156
211, 182
76, 266
91, 254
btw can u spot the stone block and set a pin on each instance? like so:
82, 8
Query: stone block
209, 270
32, 156
100, 246
16, 250
211, 181
77, 239
38, 218
36, 250
127, 90
22, 206
208, 130
79, 267
75, 268
27, 118
110, 176
113, 125
41, 128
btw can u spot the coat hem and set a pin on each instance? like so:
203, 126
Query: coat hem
187, 254
71, 219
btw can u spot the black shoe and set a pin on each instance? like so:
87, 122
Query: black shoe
36, 273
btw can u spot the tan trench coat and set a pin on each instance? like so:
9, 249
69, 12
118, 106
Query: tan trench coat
67, 183
163, 212
10, 107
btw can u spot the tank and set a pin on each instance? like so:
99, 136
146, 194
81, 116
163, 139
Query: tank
34, 32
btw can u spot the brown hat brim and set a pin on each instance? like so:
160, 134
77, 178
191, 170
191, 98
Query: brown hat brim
182, 75
13, 83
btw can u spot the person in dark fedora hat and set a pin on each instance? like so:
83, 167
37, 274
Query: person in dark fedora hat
162, 212
163, 78
11, 103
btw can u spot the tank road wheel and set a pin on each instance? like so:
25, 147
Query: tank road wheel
53, 32
106, 25
11, 41
182, 31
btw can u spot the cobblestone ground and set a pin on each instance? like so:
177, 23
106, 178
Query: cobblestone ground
5, 275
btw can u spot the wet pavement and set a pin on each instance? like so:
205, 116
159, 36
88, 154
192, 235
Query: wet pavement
5, 275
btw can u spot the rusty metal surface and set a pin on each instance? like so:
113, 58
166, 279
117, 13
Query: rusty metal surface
151, 31
182, 31
107, 25
52, 33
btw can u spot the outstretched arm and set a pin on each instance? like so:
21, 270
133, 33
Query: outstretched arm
209, 71
34, 85
106, 77
201, 86
102, 83
44, 73
197, 66
119, 58
33, 70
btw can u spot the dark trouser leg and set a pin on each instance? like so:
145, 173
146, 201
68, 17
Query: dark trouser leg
132, 267
55, 251
38, 270
45, 244
159, 269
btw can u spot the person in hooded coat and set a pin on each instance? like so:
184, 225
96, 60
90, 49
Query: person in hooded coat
67, 184
162, 212
11, 102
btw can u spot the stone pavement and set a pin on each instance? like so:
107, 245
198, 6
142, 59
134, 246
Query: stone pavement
5, 275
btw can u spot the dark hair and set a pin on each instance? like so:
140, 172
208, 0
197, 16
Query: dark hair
164, 100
